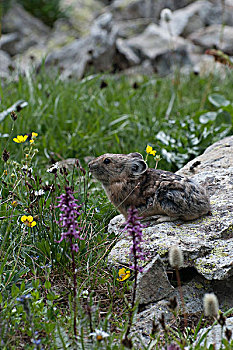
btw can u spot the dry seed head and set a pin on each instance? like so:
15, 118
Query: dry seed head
211, 305
175, 257
5, 155
166, 15
155, 328
14, 116
228, 334
162, 322
172, 304
221, 319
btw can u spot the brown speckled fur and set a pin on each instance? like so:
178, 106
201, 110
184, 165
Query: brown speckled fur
128, 182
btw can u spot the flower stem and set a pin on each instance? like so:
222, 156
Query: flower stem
134, 288
74, 289
181, 296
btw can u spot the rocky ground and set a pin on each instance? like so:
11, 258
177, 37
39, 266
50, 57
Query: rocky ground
119, 35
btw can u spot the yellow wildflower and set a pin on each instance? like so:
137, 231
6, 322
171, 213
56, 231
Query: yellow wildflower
20, 138
5, 172
33, 136
123, 274
14, 204
28, 220
150, 150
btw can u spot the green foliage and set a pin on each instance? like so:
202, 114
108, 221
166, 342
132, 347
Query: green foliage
47, 10
79, 119
4, 6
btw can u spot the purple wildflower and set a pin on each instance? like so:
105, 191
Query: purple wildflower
71, 230
173, 347
134, 228
68, 217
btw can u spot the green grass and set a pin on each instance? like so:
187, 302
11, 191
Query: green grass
79, 119
76, 119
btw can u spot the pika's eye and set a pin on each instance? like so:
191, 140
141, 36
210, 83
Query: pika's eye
107, 161
135, 167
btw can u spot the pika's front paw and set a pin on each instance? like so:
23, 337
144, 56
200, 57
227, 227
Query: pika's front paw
158, 219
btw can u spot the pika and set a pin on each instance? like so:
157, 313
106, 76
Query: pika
156, 194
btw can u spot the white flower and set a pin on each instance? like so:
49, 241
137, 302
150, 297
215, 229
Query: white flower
85, 293
99, 334
39, 193
26, 168
53, 168
166, 15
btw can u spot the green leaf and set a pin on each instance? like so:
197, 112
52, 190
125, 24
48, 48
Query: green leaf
58, 257
218, 100
47, 285
206, 117
35, 284
52, 296
22, 287
14, 291
223, 117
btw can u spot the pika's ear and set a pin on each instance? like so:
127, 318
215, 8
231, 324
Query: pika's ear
135, 155
138, 167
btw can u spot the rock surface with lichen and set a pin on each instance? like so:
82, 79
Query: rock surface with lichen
207, 244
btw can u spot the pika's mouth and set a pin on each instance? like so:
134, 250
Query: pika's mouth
92, 167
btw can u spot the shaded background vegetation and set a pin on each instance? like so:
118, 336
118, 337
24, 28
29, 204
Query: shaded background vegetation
47, 10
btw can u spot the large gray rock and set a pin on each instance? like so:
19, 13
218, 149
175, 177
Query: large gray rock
188, 19
193, 293
6, 65
30, 29
96, 50
82, 13
214, 36
72, 59
104, 35
204, 65
215, 334
204, 241
7, 40
219, 14
127, 56
129, 28
153, 284
198, 15
207, 245
61, 35
193, 305
157, 45
133, 9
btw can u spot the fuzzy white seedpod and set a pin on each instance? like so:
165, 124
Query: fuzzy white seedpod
211, 306
175, 257
166, 15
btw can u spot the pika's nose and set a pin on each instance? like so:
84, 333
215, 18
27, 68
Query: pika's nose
91, 165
